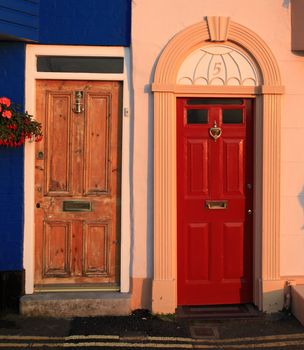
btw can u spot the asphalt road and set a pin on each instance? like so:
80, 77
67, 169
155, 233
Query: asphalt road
144, 331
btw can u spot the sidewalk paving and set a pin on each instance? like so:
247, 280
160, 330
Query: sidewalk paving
143, 330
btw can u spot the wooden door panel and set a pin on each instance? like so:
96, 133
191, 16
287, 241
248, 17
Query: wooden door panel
77, 184
214, 229
197, 168
97, 144
216, 254
58, 152
233, 242
96, 249
76, 251
56, 247
233, 167
197, 263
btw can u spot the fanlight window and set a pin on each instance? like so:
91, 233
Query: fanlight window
218, 65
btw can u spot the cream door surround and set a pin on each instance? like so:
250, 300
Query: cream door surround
31, 75
180, 72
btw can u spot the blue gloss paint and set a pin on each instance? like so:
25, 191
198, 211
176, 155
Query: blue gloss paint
19, 19
66, 22
93, 22
12, 64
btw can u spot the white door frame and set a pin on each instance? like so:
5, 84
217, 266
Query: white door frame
31, 75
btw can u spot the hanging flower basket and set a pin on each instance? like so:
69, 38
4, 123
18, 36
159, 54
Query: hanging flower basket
16, 126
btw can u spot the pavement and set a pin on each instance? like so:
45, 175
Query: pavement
141, 330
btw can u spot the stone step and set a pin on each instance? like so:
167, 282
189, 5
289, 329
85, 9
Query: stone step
76, 304
297, 302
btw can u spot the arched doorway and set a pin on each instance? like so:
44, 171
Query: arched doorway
176, 77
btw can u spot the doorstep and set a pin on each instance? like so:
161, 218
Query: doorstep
76, 304
297, 302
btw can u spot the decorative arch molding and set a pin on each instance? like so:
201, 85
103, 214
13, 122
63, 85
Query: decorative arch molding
268, 293
198, 35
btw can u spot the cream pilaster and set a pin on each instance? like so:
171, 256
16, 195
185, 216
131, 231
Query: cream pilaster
272, 286
164, 283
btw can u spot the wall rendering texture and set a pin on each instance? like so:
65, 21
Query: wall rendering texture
65, 22
19, 19
12, 61
94, 22
271, 20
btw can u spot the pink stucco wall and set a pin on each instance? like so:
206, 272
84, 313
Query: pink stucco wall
154, 23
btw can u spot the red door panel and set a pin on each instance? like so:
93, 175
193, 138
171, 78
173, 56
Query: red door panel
197, 167
214, 194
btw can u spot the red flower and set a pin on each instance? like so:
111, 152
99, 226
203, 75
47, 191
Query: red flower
7, 114
5, 101
16, 126
38, 138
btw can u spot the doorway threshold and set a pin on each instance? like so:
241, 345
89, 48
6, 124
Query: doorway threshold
217, 312
76, 304
60, 288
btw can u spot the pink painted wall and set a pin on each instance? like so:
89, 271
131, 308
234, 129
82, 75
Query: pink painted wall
154, 23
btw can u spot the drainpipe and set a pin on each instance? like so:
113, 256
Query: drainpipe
287, 296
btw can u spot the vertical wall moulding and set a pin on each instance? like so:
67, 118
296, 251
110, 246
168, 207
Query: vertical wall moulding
271, 162
258, 175
268, 91
164, 286
271, 284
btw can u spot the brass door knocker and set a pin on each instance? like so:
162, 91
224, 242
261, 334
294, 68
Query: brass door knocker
215, 131
78, 102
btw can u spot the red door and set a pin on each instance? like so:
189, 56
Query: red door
214, 201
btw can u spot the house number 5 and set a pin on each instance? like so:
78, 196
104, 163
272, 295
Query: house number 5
217, 68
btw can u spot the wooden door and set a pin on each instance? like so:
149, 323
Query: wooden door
77, 184
215, 198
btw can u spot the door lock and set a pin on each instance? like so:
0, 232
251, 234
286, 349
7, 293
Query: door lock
40, 155
249, 211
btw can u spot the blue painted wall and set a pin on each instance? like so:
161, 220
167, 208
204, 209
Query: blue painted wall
12, 64
69, 22
19, 19
74, 22
89, 22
